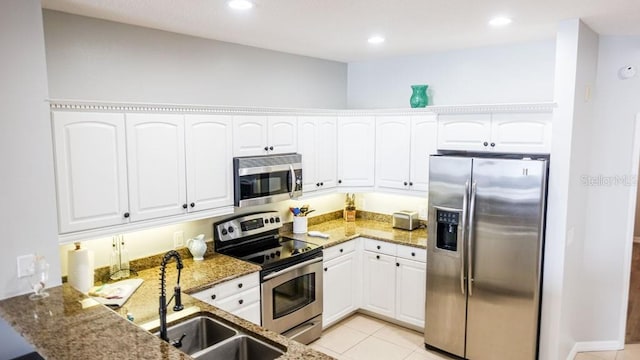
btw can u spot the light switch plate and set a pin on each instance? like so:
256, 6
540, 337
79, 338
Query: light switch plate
25, 267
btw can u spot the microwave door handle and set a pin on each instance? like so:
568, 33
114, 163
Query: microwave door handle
292, 173
291, 268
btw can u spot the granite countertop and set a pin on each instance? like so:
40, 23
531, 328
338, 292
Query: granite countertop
68, 324
340, 231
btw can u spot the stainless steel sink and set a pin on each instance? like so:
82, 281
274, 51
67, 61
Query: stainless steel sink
241, 347
206, 338
199, 333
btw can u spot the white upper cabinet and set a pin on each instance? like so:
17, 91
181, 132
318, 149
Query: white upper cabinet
250, 135
281, 134
522, 133
499, 132
91, 170
393, 151
356, 151
317, 143
424, 142
403, 146
209, 161
156, 163
464, 132
256, 135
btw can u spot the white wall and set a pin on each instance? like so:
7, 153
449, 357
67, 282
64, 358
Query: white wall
28, 212
562, 310
607, 244
93, 59
497, 74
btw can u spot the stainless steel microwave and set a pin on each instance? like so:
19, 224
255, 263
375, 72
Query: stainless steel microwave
266, 179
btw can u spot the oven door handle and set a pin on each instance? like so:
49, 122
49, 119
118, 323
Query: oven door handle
294, 267
293, 181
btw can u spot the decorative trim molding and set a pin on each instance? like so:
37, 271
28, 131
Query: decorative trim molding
85, 105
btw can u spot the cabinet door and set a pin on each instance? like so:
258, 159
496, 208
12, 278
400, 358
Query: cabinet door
339, 291
209, 161
250, 312
392, 151
282, 135
249, 135
522, 133
424, 136
379, 283
356, 151
156, 162
464, 132
91, 170
308, 148
327, 145
411, 278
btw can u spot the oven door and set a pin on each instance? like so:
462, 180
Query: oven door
292, 295
263, 185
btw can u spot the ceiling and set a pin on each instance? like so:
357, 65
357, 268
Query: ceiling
338, 29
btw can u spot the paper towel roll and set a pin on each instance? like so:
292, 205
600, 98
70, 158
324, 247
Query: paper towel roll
80, 269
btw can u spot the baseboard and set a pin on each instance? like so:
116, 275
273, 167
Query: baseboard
594, 346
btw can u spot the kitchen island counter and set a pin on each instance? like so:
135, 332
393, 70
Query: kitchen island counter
69, 325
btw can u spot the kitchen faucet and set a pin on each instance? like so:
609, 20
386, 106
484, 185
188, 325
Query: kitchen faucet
163, 296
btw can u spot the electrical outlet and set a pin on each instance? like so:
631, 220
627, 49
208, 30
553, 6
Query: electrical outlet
25, 265
178, 239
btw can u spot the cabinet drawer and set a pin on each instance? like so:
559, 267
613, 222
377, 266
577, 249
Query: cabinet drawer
235, 286
380, 247
340, 249
237, 301
412, 253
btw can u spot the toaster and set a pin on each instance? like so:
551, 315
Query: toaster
407, 220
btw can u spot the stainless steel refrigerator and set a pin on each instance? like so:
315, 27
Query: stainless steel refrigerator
484, 256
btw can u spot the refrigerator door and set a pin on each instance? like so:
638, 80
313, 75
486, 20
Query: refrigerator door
445, 309
504, 263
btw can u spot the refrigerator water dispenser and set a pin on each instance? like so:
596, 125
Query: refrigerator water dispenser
447, 229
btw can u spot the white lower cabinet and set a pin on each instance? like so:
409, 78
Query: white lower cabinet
378, 283
394, 281
340, 282
240, 296
410, 291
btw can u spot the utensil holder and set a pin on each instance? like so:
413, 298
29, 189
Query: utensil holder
299, 224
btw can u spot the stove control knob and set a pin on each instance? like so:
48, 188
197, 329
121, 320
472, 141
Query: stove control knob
272, 220
224, 231
277, 219
230, 229
278, 253
273, 255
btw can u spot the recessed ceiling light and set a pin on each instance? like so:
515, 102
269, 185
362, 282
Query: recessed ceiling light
376, 40
500, 21
240, 4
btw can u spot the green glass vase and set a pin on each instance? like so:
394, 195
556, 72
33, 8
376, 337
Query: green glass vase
419, 98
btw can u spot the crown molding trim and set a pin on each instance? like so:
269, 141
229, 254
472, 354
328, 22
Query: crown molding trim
100, 106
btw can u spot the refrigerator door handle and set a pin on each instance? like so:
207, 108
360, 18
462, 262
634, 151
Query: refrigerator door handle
465, 203
472, 211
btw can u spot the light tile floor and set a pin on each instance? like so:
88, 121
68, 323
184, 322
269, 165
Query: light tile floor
362, 337
630, 352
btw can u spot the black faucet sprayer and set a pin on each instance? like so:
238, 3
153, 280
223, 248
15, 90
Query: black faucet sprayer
163, 296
